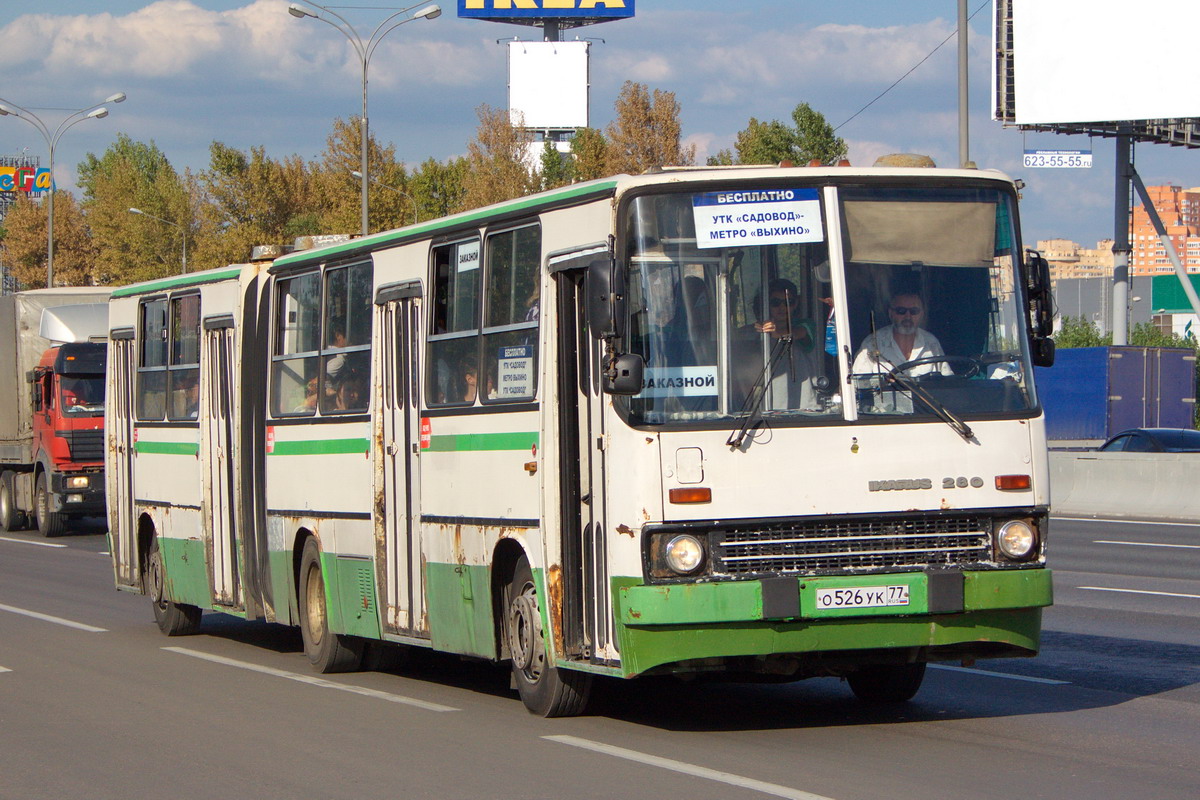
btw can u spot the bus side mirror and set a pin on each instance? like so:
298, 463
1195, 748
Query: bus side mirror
605, 290
1041, 309
1043, 352
625, 374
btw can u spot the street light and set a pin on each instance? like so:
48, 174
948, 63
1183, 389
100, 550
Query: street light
364, 50
172, 224
391, 188
96, 111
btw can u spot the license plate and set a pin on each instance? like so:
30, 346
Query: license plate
862, 597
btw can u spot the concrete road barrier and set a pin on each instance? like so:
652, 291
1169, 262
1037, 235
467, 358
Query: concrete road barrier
1132, 485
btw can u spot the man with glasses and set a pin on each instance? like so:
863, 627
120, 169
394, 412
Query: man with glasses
902, 341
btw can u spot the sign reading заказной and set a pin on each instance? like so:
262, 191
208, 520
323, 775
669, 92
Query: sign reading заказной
757, 216
545, 9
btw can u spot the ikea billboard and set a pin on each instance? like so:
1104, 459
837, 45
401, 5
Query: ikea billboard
530, 10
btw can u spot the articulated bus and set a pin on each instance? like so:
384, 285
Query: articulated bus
765, 423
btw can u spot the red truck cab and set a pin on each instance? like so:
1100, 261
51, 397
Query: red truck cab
68, 431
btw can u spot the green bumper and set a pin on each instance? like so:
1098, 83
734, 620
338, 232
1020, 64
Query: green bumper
1000, 612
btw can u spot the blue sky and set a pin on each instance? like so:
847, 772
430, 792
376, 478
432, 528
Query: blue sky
245, 73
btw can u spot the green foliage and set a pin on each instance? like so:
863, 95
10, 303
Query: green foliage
556, 170
811, 139
1080, 332
589, 149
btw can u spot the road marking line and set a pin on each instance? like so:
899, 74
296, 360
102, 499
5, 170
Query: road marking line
5, 669
1148, 544
26, 541
313, 680
989, 674
56, 620
1139, 591
687, 769
1128, 521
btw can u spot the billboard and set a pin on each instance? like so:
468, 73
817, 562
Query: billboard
24, 178
1073, 62
548, 84
528, 11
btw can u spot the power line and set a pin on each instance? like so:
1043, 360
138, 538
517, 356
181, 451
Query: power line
914, 69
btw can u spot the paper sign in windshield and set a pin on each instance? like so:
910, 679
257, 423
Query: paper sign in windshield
757, 216
514, 372
679, 382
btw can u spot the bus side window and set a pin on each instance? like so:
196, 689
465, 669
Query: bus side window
346, 337
152, 361
294, 382
513, 298
183, 372
454, 324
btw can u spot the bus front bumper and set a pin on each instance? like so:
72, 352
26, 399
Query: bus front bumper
947, 615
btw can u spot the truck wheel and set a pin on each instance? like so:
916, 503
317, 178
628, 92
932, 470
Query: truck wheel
174, 619
887, 683
545, 690
11, 517
49, 523
326, 651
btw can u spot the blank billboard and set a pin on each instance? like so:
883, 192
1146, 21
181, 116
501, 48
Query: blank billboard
1103, 60
548, 84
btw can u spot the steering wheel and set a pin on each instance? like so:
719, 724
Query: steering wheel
973, 365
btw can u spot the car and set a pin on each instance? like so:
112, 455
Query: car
1153, 440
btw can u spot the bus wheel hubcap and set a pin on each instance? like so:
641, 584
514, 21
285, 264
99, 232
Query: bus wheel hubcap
525, 633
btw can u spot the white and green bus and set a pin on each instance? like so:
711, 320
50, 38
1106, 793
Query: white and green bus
773, 422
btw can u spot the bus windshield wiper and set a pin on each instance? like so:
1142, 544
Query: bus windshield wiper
938, 408
754, 401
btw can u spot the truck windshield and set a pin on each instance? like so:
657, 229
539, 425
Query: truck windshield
81, 395
732, 305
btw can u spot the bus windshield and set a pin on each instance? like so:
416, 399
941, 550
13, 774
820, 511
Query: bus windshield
733, 306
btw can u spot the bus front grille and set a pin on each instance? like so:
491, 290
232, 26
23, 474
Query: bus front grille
831, 545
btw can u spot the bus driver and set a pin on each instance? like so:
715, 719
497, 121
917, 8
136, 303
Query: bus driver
902, 341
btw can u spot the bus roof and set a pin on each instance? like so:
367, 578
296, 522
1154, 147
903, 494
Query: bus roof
179, 281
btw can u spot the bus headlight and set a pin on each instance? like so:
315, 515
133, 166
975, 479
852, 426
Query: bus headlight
684, 554
1016, 539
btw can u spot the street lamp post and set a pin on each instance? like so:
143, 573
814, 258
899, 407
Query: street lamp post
182, 229
97, 111
364, 50
390, 188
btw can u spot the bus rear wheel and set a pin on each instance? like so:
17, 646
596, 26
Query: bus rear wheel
173, 619
49, 523
887, 683
545, 690
326, 651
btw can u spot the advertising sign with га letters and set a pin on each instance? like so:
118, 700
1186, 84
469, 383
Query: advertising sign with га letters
757, 217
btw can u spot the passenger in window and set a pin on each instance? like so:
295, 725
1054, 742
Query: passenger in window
351, 392
187, 398
902, 341
309, 404
793, 378
335, 364
470, 379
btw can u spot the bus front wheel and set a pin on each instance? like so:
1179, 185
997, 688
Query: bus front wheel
887, 683
545, 690
173, 619
326, 651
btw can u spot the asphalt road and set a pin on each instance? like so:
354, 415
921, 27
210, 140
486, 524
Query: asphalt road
95, 703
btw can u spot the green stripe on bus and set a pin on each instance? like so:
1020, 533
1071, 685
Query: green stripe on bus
178, 281
524, 440
321, 447
168, 448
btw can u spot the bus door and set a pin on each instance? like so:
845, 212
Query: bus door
398, 426
122, 363
587, 616
216, 437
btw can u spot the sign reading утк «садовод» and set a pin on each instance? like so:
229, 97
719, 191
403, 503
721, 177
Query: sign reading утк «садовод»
545, 9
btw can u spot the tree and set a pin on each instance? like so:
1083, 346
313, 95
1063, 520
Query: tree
589, 150
557, 170
23, 243
496, 166
1080, 332
437, 189
646, 131
129, 248
341, 193
811, 139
